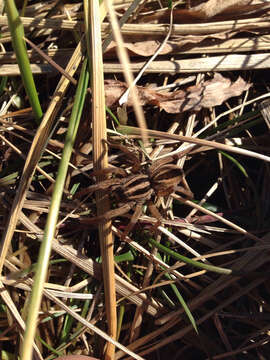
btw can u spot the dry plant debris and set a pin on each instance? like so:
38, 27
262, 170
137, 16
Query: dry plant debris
225, 223
204, 95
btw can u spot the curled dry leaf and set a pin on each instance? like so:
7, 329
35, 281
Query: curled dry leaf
213, 10
206, 94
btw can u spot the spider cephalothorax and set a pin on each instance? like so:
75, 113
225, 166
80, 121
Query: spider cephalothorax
144, 184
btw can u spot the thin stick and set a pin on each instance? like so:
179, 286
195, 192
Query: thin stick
192, 140
124, 97
100, 159
123, 57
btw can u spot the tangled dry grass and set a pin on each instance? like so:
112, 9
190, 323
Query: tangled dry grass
180, 275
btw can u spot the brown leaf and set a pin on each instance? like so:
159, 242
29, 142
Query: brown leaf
149, 47
113, 91
206, 94
214, 10
211, 8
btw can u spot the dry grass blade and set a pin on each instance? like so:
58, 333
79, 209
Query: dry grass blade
147, 254
13, 309
124, 97
123, 57
34, 154
123, 287
184, 230
91, 327
188, 329
214, 63
220, 218
49, 294
228, 62
52, 62
101, 162
151, 29
193, 140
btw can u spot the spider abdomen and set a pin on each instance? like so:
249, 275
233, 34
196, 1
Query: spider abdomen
137, 187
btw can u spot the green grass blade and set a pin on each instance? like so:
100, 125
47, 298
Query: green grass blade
67, 325
189, 261
236, 163
49, 347
120, 317
17, 36
184, 305
181, 300
109, 111
3, 84
52, 218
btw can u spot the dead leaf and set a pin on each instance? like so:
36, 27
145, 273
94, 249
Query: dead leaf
114, 89
204, 95
212, 9
149, 47
208, 94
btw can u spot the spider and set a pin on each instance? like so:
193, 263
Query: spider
144, 185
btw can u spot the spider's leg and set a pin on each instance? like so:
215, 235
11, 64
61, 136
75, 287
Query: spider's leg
103, 185
110, 170
185, 191
154, 169
134, 219
155, 213
108, 215
186, 186
130, 155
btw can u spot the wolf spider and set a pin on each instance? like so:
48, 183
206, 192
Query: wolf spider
145, 184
